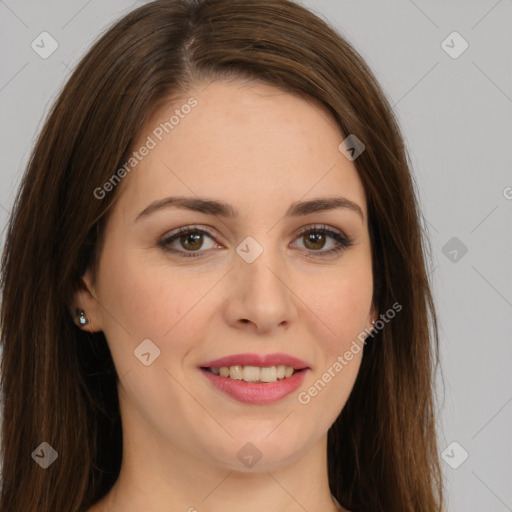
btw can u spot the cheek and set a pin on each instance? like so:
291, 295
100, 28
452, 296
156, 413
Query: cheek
342, 306
143, 301
142, 297
342, 311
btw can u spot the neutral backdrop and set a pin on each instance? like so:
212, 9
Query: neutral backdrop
455, 108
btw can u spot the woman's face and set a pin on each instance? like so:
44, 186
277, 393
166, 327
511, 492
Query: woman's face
248, 278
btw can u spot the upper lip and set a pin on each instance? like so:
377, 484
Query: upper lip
257, 360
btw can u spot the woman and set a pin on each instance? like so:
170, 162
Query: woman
215, 294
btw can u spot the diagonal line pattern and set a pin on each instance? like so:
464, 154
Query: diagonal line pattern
75, 15
415, 85
332, 167
282, 421
68, 68
301, 300
217, 486
492, 211
177, 177
508, 508
431, 69
232, 268
207, 85
432, 226
492, 286
286, 491
492, 418
198, 302
110, 315
492, 81
431, 271
424, 13
13, 13
485, 15
199, 403
304, 195
13, 77
125, 375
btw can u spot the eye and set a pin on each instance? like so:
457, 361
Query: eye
191, 240
315, 239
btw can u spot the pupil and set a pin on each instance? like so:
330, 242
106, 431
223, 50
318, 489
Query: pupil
194, 238
316, 238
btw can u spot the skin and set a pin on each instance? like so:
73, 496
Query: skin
258, 149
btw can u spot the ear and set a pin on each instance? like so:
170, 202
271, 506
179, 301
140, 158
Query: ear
372, 317
84, 299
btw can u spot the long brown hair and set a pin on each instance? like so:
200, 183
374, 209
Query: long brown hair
59, 382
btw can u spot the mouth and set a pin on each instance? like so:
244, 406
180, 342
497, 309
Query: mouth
247, 373
255, 379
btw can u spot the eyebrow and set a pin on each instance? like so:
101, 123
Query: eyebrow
222, 209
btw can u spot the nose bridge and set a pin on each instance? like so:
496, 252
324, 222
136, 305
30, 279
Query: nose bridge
261, 277
259, 261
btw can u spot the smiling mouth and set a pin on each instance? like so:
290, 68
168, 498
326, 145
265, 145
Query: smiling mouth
257, 374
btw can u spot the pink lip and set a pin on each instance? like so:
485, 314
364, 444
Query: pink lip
255, 393
257, 360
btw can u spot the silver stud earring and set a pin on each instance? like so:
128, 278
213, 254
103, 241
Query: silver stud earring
82, 319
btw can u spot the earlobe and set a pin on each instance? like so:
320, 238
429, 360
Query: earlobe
373, 317
82, 319
84, 307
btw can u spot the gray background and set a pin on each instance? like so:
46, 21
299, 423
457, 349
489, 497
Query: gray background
456, 115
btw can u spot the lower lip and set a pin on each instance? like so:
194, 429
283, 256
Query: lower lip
256, 393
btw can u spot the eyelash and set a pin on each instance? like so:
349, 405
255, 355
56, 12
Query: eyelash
343, 241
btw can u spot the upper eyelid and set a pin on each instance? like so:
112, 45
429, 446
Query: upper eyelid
212, 231
174, 234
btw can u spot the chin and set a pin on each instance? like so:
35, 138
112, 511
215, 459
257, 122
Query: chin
260, 453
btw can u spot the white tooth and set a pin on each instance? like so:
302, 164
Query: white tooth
236, 372
251, 373
254, 373
268, 374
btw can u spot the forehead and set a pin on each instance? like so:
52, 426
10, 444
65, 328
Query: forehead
247, 143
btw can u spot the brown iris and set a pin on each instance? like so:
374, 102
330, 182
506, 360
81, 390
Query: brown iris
318, 240
192, 241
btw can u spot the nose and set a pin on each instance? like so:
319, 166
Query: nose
261, 297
